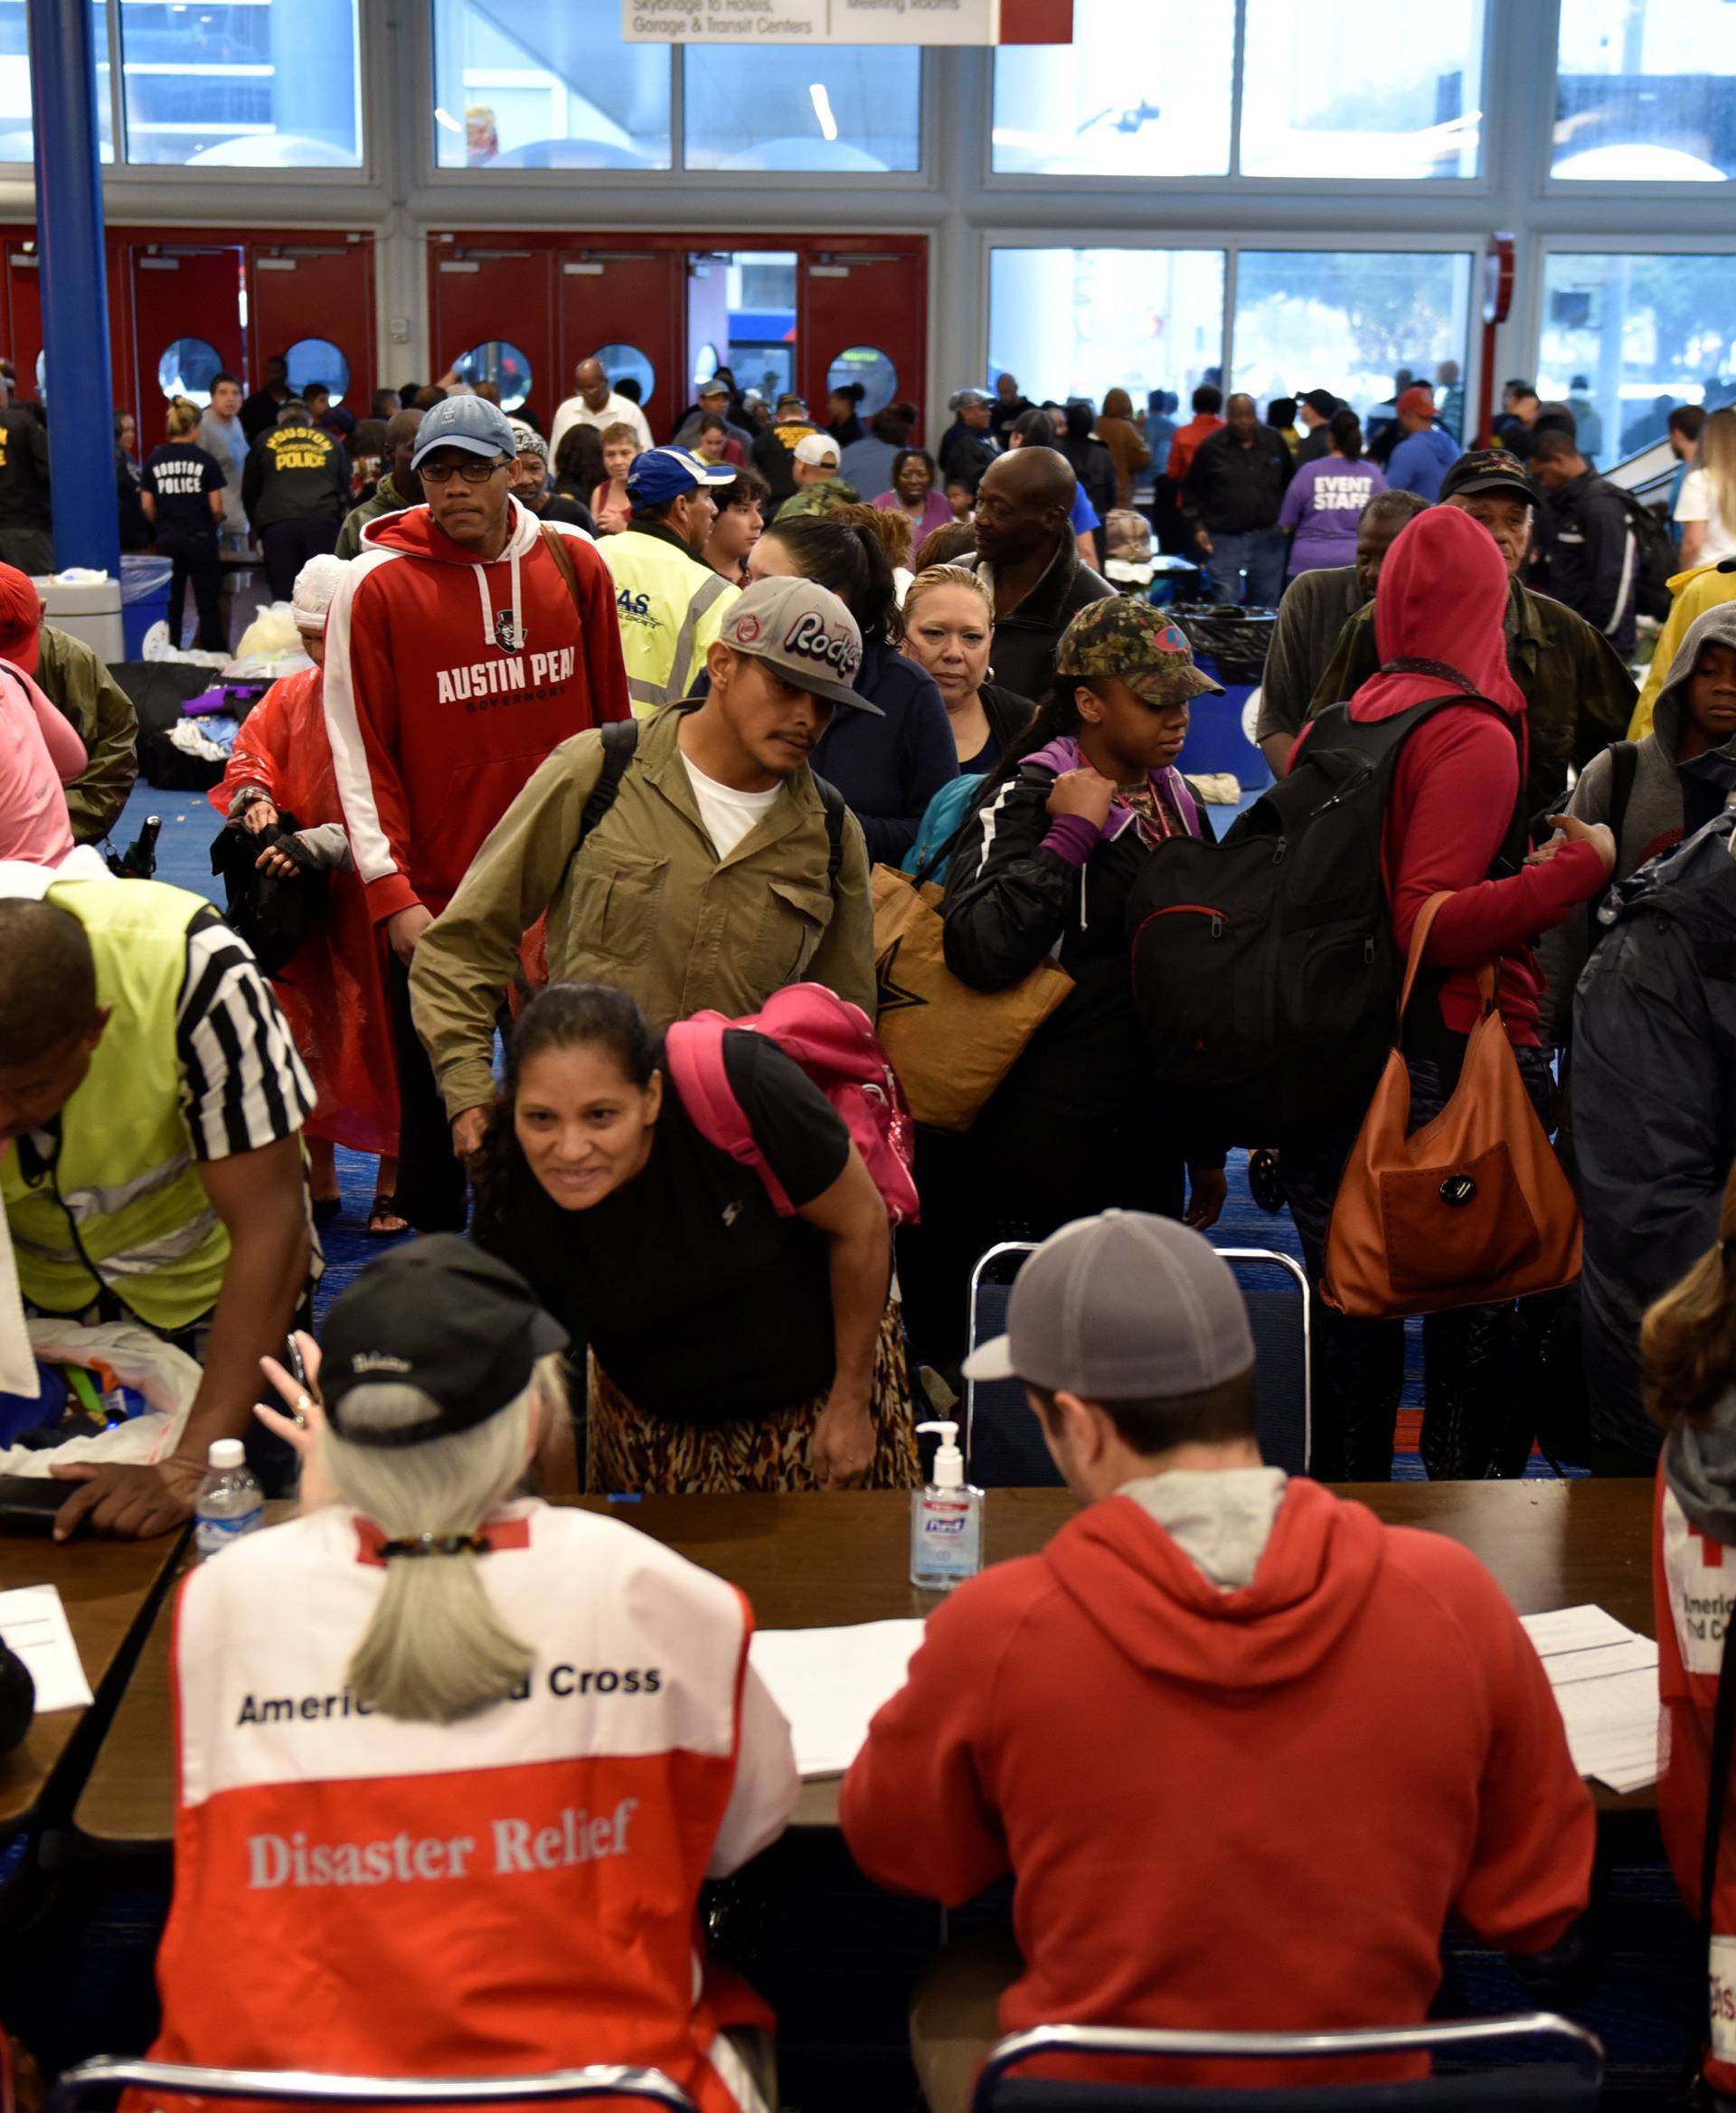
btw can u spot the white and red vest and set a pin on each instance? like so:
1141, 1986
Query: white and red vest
513, 1893
1694, 1586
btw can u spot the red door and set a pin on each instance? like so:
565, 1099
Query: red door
624, 307
494, 305
301, 296
24, 301
186, 323
864, 316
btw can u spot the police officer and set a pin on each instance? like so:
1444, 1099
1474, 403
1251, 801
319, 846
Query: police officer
670, 603
297, 491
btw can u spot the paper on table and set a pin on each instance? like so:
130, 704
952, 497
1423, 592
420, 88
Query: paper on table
829, 1681
1605, 1682
34, 1623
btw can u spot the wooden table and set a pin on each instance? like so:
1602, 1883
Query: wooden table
110, 1590
812, 1562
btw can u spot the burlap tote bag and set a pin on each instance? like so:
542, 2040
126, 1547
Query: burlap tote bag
1472, 1210
950, 1045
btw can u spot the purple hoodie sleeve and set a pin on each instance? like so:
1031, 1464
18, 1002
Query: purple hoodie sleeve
1073, 837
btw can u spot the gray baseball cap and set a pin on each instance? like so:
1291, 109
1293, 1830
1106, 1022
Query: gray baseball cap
804, 631
470, 422
1124, 1307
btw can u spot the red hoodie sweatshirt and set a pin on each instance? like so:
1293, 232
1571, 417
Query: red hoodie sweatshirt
1444, 597
448, 682
1250, 1810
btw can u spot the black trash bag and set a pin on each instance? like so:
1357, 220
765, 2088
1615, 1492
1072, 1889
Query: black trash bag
1235, 640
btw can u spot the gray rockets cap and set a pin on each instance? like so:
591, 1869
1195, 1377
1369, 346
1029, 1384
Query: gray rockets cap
1124, 1307
804, 631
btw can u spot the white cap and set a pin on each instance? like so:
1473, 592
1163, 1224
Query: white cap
948, 1461
227, 1452
818, 450
315, 584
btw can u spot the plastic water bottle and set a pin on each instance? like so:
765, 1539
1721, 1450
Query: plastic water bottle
230, 1502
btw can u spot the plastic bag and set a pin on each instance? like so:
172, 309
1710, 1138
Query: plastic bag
157, 646
273, 635
166, 1377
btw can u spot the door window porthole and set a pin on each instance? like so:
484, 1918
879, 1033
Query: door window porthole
317, 359
186, 369
866, 365
627, 363
501, 362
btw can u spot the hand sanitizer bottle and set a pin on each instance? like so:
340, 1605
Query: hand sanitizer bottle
945, 1519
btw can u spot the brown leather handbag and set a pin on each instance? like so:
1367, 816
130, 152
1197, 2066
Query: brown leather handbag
1472, 1210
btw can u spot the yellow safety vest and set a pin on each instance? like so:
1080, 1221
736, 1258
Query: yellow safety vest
671, 609
122, 1207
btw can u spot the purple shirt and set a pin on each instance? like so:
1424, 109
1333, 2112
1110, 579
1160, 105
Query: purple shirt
1322, 504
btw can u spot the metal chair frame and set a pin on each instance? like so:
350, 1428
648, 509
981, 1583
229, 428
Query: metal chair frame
1582, 2049
302, 2087
1229, 1254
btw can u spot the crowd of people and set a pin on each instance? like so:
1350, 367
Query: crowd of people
613, 751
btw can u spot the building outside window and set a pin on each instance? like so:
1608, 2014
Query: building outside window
1081, 322
546, 84
1347, 320
268, 84
1646, 92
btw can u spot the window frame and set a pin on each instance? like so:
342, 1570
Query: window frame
1545, 248
1233, 183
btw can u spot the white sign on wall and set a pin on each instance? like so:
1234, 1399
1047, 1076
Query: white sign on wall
810, 22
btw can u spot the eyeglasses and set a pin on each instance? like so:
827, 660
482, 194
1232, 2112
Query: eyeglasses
473, 473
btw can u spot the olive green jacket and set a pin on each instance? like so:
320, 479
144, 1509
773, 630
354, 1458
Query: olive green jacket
1578, 694
382, 500
72, 676
641, 902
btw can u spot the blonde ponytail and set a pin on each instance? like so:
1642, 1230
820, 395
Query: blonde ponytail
436, 1650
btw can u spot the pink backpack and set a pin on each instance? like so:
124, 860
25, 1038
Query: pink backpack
835, 1045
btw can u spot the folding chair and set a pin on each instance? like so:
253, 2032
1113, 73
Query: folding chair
1551, 2066
1003, 1442
303, 2087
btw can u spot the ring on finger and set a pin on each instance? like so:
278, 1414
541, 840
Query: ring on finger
304, 1403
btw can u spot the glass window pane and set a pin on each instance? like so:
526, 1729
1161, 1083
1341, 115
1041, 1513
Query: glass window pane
1120, 100
1348, 321
502, 362
17, 141
1316, 102
1626, 339
840, 108
546, 84
251, 84
1081, 321
317, 359
1646, 92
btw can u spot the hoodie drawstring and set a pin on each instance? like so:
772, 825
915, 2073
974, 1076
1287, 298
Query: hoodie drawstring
489, 638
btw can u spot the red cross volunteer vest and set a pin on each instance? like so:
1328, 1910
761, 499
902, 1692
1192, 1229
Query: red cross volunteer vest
1693, 1585
513, 1893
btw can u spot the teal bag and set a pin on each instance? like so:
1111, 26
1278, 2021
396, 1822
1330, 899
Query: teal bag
930, 856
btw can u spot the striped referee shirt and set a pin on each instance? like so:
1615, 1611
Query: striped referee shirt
243, 1084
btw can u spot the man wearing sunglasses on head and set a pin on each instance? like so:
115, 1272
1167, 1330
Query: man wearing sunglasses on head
465, 643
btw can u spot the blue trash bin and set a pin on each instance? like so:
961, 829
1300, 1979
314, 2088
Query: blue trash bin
144, 600
1221, 732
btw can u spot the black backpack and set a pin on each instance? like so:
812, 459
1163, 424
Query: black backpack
1264, 969
1657, 557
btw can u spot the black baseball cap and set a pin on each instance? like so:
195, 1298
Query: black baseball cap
1322, 403
440, 1316
1489, 470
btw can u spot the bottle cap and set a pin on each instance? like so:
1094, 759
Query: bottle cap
227, 1452
948, 1461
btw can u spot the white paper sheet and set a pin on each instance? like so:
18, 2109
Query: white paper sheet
1605, 1682
829, 1681
34, 1623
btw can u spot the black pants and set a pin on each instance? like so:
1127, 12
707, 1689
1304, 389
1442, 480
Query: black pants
288, 546
433, 1193
1480, 1363
202, 570
1018, 1172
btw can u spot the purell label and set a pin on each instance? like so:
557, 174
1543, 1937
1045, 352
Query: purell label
942, 1521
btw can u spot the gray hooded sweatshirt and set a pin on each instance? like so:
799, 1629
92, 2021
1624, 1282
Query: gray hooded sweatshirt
1669, 800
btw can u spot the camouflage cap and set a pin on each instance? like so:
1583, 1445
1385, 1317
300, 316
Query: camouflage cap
1127, 639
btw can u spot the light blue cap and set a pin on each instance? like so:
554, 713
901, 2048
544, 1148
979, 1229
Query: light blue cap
470, 422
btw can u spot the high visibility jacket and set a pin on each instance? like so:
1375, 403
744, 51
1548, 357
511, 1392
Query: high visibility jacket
671, 608
510, 1893
122, 1206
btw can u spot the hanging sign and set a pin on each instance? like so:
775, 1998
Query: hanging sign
847, 22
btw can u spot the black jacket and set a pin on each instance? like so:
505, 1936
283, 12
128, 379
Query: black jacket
1315, 447
1094, 467
1010, 903
296, 473
1237, 490
1590, 557
889, 769
964, 454
24, 469
1023, 652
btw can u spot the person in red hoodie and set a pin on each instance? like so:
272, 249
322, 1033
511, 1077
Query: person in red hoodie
1242, 1747
1454, 824
459, 651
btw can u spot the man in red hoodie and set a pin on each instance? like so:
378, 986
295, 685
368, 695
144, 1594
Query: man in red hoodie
1243, 1747
1455, 824
459, 651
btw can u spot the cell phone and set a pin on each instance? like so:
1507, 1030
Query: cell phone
292, 1359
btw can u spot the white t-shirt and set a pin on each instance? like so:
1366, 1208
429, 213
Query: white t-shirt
729, 815
1699, 503
619, 411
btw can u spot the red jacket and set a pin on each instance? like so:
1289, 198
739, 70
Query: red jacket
1693, 1591
448, 682
1246, 1810
1185, 441
1443, 598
